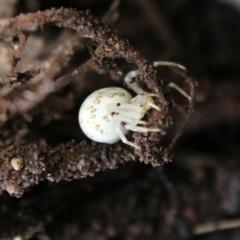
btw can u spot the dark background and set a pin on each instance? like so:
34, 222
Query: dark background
136, 201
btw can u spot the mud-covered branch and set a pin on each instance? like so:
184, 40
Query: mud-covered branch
23, 167
14, 33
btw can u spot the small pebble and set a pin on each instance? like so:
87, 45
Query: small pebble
17, 163
17, 238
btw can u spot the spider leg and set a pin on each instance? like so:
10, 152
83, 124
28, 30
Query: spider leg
175, 86
126, 112
124, 139
128, 107
152, 94
135, 128
127, 119
154, 106
171, 84
169, 64
132, 83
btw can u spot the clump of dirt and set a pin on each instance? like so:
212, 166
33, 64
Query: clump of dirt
42, 162
53, 58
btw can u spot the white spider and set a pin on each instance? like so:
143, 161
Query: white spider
107, 114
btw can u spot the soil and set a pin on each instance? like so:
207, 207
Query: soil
182, 183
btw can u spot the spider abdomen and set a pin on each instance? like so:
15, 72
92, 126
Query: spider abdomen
96, 115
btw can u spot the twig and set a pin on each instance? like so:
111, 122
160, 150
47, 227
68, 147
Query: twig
82, 22
21, 168
216, 226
